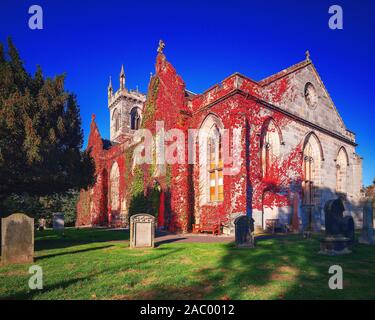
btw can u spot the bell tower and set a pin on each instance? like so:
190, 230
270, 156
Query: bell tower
125, 110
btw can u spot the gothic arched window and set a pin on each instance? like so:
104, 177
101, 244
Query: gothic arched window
211, 160
341, 171
215, 165
116, 120
308, 171
311, 169
135, 119
270, 146
114, 186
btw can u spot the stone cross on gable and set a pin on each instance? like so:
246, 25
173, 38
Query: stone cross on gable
307, 55
161, 46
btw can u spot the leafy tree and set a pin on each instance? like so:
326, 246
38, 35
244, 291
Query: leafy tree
45, 206
370, 190
40, 133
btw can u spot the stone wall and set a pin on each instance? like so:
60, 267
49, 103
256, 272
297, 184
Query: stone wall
300, 109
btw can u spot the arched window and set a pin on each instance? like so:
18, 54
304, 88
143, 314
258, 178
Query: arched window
211, 164
114, 186
215, 164
312, 157
309, 172
342, 163
116, 120
135, 119
270, 146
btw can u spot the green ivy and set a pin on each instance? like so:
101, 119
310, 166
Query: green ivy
149, 111
139, 202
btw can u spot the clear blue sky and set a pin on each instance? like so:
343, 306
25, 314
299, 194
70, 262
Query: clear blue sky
206, 41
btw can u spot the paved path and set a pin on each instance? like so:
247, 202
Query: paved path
162, 237
165, 237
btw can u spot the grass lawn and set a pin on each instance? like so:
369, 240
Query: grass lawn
98, 264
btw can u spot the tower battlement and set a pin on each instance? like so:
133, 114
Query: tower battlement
125, 108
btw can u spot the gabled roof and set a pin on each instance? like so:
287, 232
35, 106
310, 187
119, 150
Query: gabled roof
283, 73
295, 68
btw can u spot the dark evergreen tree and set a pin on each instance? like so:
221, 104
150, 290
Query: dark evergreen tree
40, 133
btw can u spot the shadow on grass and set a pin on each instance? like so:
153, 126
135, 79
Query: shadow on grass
65, 284
26, 295
171, 240
289, 268
71, 252
50, 239
283, 267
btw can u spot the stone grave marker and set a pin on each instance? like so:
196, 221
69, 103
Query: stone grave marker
142, 231
17, 239
368, 235
339, 229
58, 221
41, 224
244, 232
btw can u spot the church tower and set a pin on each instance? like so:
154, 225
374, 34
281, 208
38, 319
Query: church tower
125, 110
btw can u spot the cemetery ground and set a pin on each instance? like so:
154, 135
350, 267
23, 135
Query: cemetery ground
98, 264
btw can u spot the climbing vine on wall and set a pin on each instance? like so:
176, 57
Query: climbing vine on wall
142, 196
83, 207
149, 111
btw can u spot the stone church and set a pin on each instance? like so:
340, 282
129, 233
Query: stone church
295, 153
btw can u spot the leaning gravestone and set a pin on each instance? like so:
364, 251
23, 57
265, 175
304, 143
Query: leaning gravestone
339, 229
58, 221
244, 232
17, 239
142, 231
368, 235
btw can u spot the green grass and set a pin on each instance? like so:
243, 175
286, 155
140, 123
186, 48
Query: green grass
98, 264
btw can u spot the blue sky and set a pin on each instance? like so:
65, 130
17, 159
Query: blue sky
206, 41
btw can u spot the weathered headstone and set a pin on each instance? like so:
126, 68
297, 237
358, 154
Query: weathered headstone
17, 243
339, 229
336, 223
41, 224
368, 235
58, 221
142, 231
229, 227
244, 232
334, 213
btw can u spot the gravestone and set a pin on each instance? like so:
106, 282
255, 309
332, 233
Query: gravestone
58, 221
142, 231
339, 229
244, 232
335, 222
17, 239
229, 227
368, 235
41, 224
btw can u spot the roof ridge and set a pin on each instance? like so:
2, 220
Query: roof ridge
284, 72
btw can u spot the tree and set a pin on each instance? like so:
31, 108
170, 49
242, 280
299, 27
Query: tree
370, 190
44, 206
40, 133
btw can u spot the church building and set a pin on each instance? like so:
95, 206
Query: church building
295, 153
